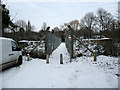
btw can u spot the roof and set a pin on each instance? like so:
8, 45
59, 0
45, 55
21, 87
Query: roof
23, 41
26, 41
4, 38
99, 39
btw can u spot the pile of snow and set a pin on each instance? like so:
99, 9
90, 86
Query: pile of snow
80, 49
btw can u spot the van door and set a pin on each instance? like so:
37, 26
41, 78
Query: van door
15, 53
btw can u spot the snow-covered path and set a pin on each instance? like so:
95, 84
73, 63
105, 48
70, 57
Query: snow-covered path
55, 56
78, 74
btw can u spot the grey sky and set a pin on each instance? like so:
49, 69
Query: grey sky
56, 13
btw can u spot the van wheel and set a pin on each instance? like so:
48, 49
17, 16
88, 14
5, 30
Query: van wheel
19, 62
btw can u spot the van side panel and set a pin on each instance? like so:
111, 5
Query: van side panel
6, 50
0, 51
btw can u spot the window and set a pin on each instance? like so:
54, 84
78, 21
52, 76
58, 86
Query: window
14, 46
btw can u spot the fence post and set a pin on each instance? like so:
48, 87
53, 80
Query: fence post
71, 43
94, 56
47, 58
28, 57
46, 42
61, 59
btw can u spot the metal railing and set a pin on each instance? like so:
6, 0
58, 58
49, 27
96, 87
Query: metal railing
51, 42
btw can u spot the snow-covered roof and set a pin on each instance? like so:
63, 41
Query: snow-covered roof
98, 39
23, 41
4, 38
26, 41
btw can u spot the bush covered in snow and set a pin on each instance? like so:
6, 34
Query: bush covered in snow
81, 50
38, 52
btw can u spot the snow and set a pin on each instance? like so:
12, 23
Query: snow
26, 41
80, 49
98, 39
40, 48
81, 73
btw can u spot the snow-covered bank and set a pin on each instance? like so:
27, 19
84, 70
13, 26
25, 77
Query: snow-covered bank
81, 73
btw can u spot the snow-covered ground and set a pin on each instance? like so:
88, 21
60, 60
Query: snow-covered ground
81, 73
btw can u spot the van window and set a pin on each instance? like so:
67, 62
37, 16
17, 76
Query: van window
14, 46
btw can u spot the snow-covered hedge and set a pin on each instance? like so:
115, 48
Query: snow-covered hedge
38, 52
80, 50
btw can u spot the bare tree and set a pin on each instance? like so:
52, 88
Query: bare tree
88, 24
64, 26
88, 21
61, 27
119, 9
20, 24
74, 24
105, 19
119, 14
44, 26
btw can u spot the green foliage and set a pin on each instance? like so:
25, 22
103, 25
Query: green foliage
5, 17
6, 21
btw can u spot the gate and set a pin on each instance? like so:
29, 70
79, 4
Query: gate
69, 43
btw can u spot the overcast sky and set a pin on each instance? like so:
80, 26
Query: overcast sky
54, 12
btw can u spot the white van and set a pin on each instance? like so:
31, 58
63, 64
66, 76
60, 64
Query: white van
10, 53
